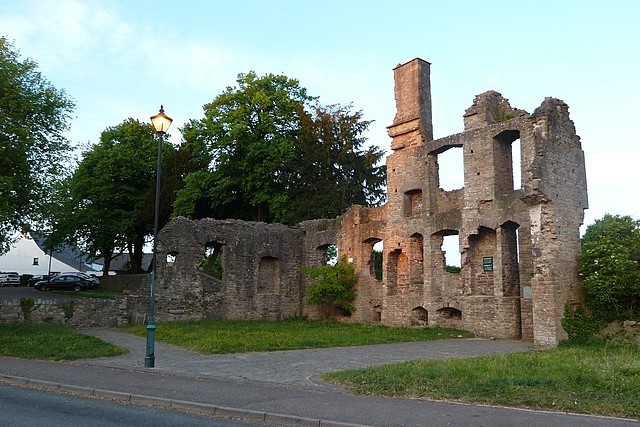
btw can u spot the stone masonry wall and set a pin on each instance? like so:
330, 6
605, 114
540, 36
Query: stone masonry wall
365, 227
261, 275
86, 312
518, 237
261, 270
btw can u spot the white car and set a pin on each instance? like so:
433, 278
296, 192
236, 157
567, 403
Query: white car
7, 279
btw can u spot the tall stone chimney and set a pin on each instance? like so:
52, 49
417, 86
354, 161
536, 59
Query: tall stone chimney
412, 123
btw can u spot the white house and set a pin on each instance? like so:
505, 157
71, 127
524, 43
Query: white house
28, 256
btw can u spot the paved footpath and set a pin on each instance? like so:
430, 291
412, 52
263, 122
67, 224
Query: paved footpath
282, 388
293, 367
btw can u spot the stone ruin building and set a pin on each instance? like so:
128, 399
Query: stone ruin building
519, 244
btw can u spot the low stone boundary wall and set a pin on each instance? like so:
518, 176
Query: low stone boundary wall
86, 312
130, 308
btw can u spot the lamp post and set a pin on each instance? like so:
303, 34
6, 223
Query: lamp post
161, 123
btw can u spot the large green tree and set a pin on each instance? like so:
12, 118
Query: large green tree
610, 266
33, 150
247, 135
274, 154
111, 194
334, 170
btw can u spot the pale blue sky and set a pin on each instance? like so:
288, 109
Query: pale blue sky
121, 59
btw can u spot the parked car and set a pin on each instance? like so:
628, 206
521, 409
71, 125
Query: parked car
7, 279
39, 278
68, 281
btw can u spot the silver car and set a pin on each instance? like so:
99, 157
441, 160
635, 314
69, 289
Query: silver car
7, 279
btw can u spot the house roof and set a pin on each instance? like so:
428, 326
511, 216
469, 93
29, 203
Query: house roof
64, 253
119, 262
72, 256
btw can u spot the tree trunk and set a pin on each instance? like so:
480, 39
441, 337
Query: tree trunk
107, 257
135, 255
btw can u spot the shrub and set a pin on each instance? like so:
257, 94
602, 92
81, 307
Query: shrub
581, 327
334, 287
28, 306
504, 116
69, 310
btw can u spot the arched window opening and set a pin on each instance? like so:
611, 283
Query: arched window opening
268, 275
211, 263
397, 271
517, 164
374, 248
508, 161
450, 168
412, 203
449, 313
419, 317
509, 246
327, 254
482, 259
416, 258
451, 252
377, 313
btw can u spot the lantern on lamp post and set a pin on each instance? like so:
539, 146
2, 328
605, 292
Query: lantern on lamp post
161, 123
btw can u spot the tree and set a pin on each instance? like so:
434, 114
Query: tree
112, 193
33, 118
610, 267
333, 171
248, 133
274, 154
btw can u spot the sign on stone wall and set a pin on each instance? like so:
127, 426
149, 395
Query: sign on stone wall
487, 263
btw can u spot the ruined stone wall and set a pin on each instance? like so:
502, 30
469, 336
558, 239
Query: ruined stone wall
366, 227
261, 275
518, 237
557, 198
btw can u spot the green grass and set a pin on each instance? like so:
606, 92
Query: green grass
227, 336
595, 379
51, 341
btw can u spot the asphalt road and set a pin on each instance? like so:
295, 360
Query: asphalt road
22, 407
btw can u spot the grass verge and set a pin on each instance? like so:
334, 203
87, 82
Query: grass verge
228, 336
51, 341
594, 379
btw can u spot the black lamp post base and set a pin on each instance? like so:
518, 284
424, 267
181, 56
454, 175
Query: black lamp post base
149, 361
150, 358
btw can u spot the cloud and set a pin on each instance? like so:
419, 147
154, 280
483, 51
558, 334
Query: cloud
61, 33
89, 39
194, 65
